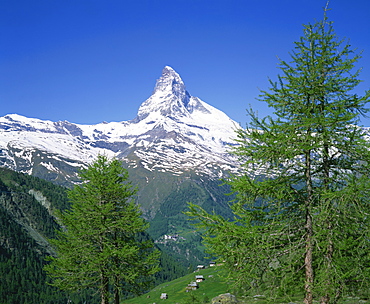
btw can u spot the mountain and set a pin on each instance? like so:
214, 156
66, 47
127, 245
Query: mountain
172, 132
176, 150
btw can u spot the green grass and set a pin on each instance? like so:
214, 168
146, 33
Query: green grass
176, 289
216, 283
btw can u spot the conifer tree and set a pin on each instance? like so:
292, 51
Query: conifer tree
99, 246
302, 211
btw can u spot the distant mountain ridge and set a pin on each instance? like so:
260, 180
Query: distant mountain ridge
173, 132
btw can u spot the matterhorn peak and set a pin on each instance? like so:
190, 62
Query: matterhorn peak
170, 82
169, 97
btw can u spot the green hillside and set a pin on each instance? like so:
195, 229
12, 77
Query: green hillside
215, 283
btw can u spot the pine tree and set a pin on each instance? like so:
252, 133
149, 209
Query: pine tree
302, 212
100, 246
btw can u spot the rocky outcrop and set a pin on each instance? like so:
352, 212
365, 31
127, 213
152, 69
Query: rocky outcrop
226, 298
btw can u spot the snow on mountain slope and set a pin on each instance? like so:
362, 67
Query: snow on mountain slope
173, 132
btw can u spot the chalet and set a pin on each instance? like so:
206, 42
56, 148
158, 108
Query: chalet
199, 278
200, 267
164, 296
212, 264
192, 286
171, 237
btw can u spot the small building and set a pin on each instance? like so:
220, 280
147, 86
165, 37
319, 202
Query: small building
200, 267
164, 296
171, 237
199, 278
192, 286
212, 264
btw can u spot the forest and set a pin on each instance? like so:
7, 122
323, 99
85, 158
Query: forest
22, 258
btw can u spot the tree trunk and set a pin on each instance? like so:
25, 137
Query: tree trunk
104, 289
330, 247
309, 233
116, 291
116, 296
308, 260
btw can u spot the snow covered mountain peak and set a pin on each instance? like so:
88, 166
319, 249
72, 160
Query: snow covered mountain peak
169, 98
170, 82
173, 132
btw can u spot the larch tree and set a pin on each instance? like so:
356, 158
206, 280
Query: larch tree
302, 219
101, 245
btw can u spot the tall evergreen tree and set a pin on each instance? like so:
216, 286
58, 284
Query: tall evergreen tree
302, 212
100, 246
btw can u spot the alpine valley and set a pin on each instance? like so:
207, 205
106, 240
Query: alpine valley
176, 151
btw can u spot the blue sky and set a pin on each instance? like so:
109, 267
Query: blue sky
98, 60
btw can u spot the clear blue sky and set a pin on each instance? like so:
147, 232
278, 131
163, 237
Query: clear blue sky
98, 60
